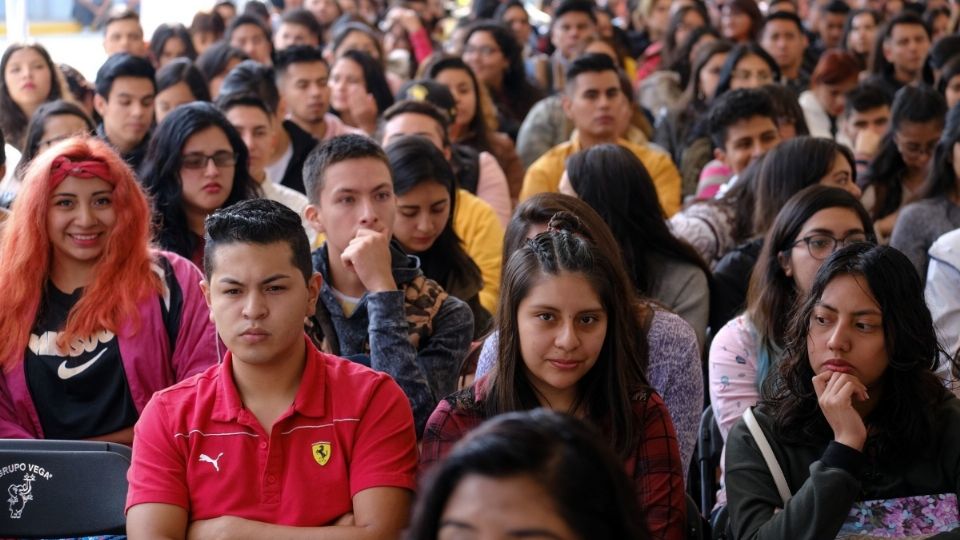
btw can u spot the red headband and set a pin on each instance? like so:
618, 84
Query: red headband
63, 167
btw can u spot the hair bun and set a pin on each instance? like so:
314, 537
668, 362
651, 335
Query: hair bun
565, 221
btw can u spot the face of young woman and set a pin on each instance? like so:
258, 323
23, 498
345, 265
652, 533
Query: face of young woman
170, 98
173, 48
846, 331
206, 188
831, 96
952, 92
59, 127
916, 142
422, 214
461, 86
840, 176
346, 77
734, 24
358, 41
820, 232
863, 32
28, 78
751, 72
485, 58
80, 220
562, 325
710, 75
511, 507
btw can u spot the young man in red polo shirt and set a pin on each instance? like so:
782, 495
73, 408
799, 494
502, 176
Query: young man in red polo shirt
280, 439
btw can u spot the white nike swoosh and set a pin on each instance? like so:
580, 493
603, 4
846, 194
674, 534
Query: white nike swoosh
65, 372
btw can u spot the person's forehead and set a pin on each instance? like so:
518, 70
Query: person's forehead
597, 79
750, 127
343, 175
574, 17
124, 25
412, 121
307, 69
135, 86
247, 115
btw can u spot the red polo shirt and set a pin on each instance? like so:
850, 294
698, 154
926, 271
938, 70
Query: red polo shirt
350, 428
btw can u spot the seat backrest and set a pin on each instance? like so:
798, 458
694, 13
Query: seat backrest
62, 488
709, 450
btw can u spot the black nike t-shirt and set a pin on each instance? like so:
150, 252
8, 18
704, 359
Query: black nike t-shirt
82, 392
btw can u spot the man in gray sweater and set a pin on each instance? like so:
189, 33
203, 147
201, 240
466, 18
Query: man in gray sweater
375, 306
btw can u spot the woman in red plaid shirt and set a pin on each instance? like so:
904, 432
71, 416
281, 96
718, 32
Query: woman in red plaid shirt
569, 341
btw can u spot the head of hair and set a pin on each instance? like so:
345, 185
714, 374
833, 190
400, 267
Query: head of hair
13, 120
297, 54
540, 208
515, 76
575, 6
164, 33
409, 106
431, 92
342, 31
614, 182
739, 52
160, 172
903, 421
208, 22
950, 70
772, 295
913, 104
708, 51
670, 44
783, 16
866, 96
837, 7
252, 77
245, 19
835, 67
336, 150
256, 221
122, 14
848, 29
123, 65
906, 17
944, 49
258, 10
735, 106
504, 7
752, 10
605, 392
304, 18
214, 61
942, 179
583, 479
37, 126
375, 80
680, 61
787, 107
182, 70
122, 276
415, 160
589, 63
479, 128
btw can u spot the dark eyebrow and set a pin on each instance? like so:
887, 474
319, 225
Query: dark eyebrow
869, 311
270, 279
512, 533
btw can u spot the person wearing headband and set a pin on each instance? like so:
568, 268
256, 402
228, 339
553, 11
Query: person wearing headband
95, 319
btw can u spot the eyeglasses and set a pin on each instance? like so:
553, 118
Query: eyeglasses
197, 160
914, 148
821, 246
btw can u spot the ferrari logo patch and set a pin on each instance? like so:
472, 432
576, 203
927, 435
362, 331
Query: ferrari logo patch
321, 452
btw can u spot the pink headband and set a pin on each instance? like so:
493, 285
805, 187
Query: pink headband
63, 167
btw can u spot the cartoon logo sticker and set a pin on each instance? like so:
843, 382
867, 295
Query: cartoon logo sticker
321, 452
19, 495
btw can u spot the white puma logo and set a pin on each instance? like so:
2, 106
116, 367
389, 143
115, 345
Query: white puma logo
65, 372
208, 459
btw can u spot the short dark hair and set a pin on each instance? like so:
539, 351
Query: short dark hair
783, 16
333, 151
297, 54
210, 22
121, 15
252, 77
213, 62
571, 6
257, 221
837, 7
590, 63
304, 18
734, 106
123, 65
182, 70
945, 48
228, 101
866, 96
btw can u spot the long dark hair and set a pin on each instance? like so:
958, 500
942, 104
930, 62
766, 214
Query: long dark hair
915, 104
903, 422
374, 78
739, 52
606, 393
37, 128
585, 483
670, 45
517, 92
13, 121
942, 179
415, 160
182, 70
614, 182
683, 65
160, 172
772, 295
864, 59
478, 135
163, 33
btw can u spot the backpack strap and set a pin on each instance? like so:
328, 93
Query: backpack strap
171, 299
778, 478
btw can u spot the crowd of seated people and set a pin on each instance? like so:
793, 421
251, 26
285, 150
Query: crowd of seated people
479, 272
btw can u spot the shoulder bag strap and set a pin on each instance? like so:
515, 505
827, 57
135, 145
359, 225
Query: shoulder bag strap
768, 456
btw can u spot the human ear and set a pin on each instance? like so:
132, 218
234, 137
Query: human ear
314, 217
785, 264
313, 290
100, 104
205, 287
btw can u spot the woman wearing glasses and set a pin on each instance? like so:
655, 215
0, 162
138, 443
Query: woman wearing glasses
195, 164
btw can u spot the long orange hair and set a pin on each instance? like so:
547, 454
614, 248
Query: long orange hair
122, 277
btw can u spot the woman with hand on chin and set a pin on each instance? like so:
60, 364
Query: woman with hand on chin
94, 319
866, 435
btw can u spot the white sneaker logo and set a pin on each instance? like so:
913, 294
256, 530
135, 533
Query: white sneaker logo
65, 372
207, 459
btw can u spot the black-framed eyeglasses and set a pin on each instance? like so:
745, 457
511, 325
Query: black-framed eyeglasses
821, 246
197, 160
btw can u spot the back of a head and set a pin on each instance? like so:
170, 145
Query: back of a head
214, 61
865, 97
735, 106
585, 481
917, 104
252, 77
123, 65
432, 92
257, 221
333, 151
943, 50
835, 67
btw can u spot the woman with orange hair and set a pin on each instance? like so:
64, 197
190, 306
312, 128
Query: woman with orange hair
94, 320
